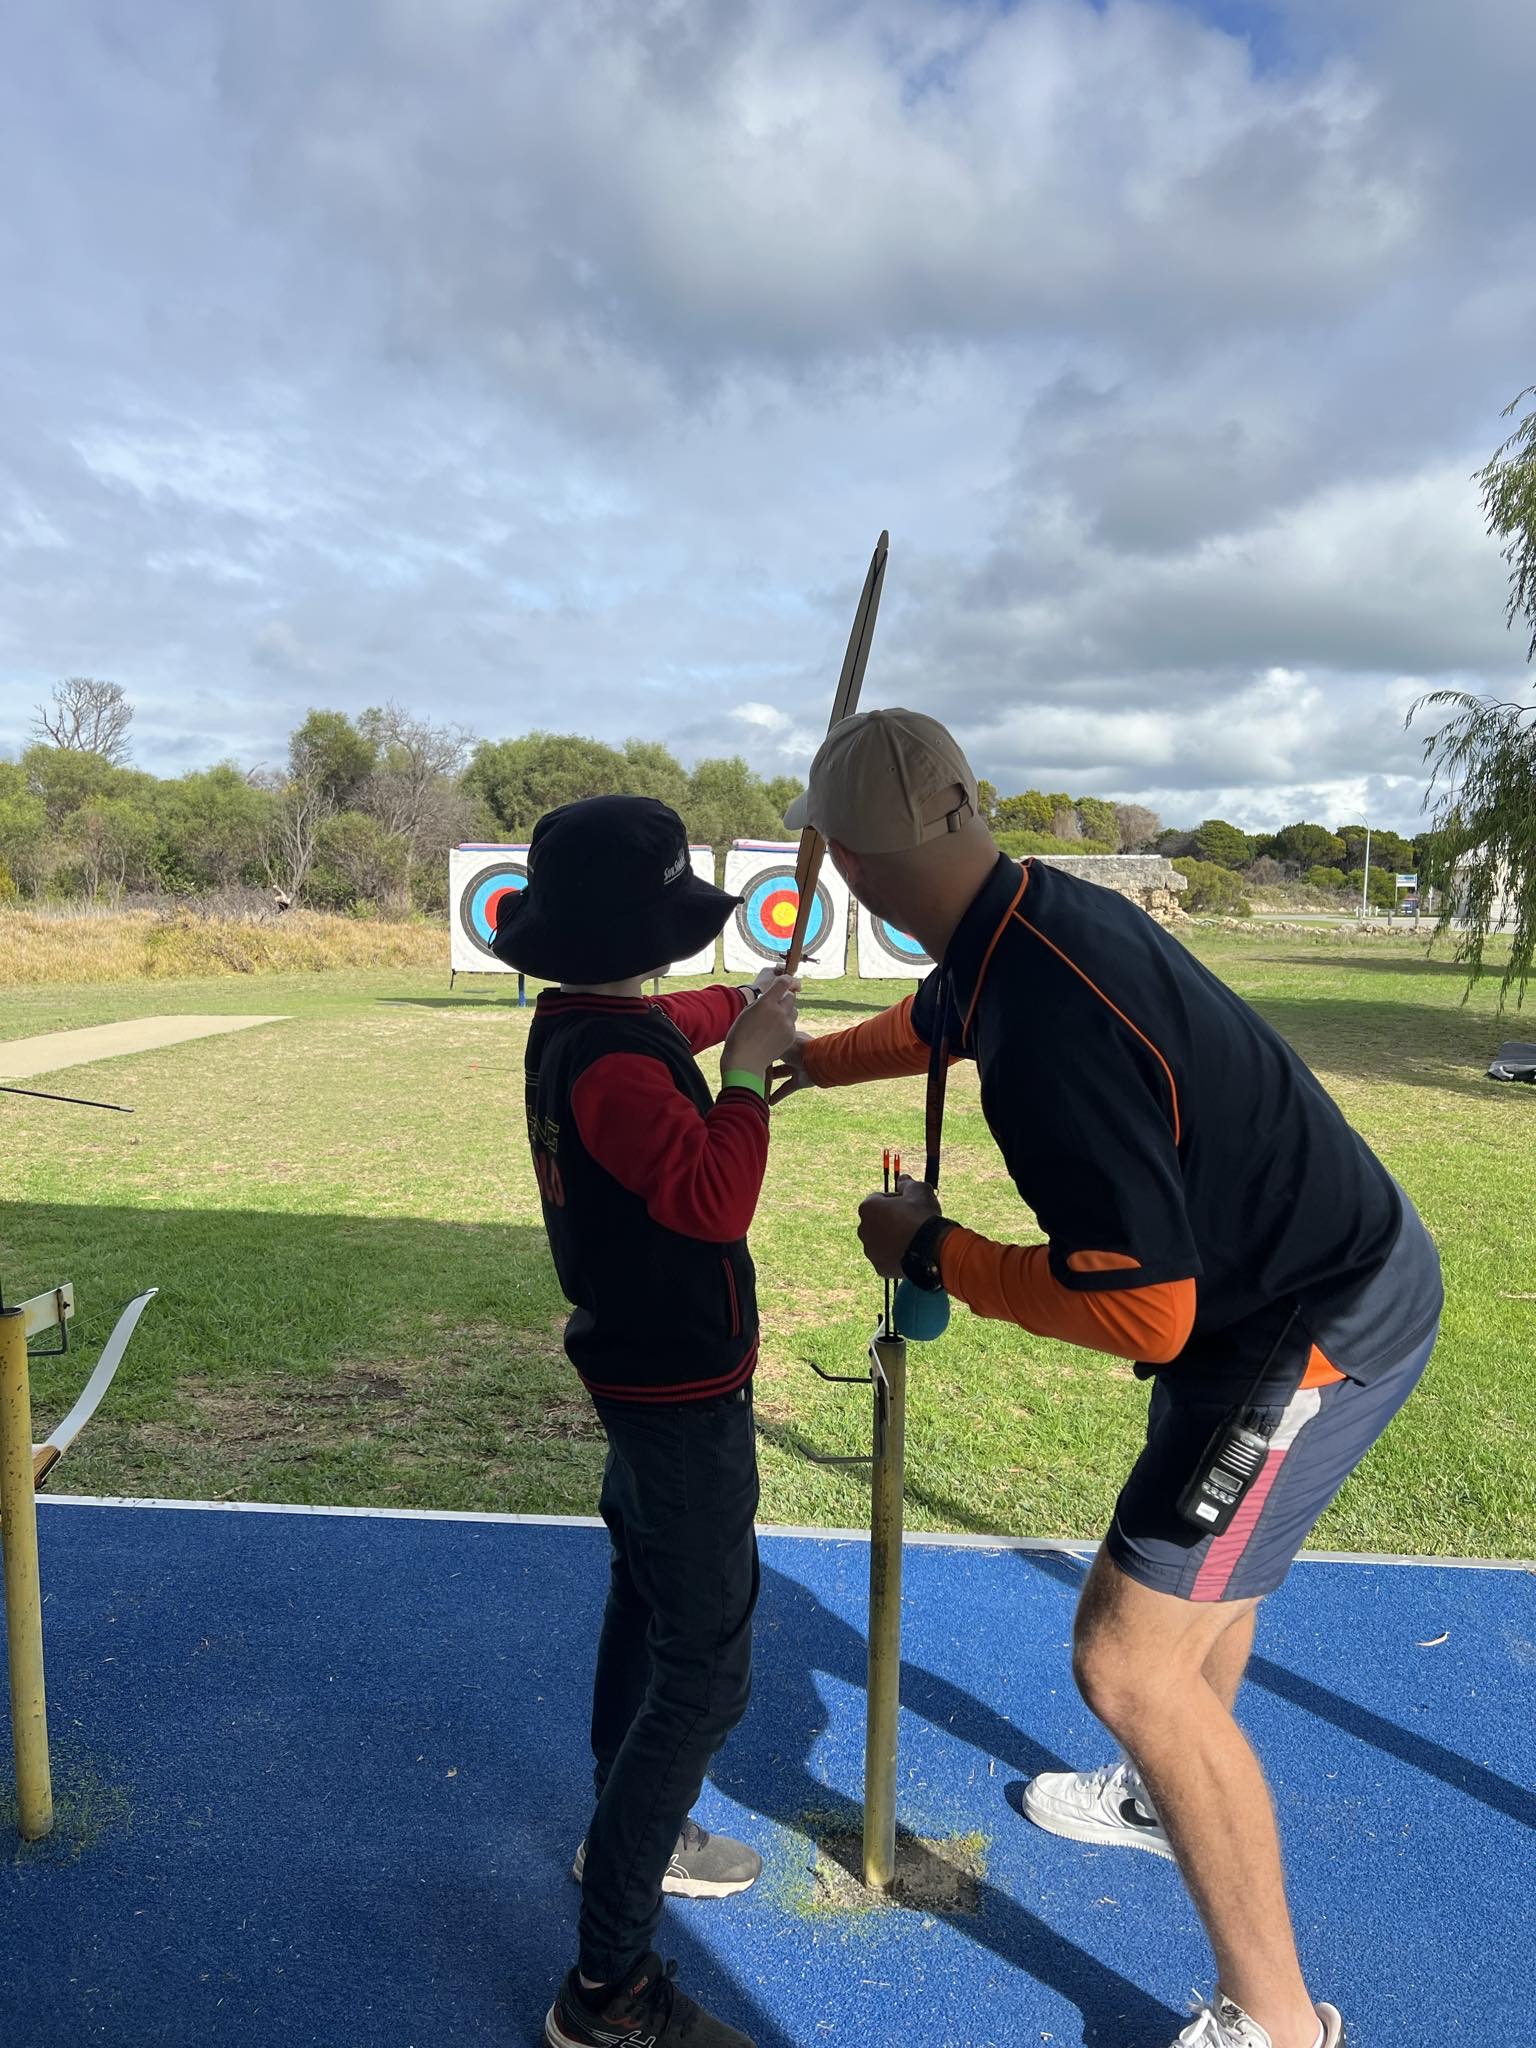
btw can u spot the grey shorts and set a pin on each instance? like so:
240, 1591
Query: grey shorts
1319, 1436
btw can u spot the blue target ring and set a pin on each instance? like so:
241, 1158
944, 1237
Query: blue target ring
765, 917
480, 897
906, 951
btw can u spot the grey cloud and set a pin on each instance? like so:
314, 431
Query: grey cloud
558, 365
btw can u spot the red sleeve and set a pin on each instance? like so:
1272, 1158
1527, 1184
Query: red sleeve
877, 1050
703, 1015
697, 1175
1014, 1283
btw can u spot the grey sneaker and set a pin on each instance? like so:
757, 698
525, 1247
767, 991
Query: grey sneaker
703, 1866
1109, 1807
1226, 2025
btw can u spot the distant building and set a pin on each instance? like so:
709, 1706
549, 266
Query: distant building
1501, 910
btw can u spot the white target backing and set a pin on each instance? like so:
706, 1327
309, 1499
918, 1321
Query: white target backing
886, 954
478, 878
762, 873
702, 860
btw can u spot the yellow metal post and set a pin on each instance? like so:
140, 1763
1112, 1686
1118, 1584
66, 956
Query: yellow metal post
23, 1589
884, 1683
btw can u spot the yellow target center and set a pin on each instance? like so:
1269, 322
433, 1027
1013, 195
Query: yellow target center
783, 915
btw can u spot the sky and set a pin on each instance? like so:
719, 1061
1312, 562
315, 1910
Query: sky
557, 366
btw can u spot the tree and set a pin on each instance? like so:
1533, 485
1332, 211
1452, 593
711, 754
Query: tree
415, 790
1483, 759
1304, 846
64, 779
358, 861
1264, 873
89, 716
1018, 844
521, 779
1380, 893
1331, 879
1136, 827
210, 828
23, 830
1030, 811
292, 827
986, 798
781, 791
1171, 843
1213, 889
1388, 849
1096, 816
727, 801
1224, 845
653, 771
1508, 483
332, 753
1483, 789
113, 842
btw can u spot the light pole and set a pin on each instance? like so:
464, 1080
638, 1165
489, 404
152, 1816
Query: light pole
1365, 879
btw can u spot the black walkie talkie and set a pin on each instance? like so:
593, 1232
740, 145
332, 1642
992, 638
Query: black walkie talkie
1233, 1459
1235, 1455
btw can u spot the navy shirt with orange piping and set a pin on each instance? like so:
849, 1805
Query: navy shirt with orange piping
648, 1184
1194, 1180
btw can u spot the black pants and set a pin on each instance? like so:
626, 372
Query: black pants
674, 1662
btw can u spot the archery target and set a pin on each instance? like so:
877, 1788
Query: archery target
478, 878
886, 954
702, 860
759, 932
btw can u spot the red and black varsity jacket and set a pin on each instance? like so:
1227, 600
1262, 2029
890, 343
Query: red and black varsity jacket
648, 1185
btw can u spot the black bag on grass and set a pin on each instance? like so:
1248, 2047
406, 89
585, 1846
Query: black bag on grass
1514, 1062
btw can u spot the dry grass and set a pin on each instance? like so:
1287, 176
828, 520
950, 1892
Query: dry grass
150, 945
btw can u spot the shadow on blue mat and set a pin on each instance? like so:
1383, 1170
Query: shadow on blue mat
801, 1638
1350, 1718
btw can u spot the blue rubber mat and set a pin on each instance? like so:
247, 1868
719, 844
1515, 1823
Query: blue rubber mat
321, 1777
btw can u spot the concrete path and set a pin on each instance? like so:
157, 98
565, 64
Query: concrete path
20, 1058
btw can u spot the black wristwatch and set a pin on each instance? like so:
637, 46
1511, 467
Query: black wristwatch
920, 1261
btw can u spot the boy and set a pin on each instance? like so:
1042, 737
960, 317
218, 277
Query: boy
648, 1186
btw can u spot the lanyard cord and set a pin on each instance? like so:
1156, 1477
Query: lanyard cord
938, 1077
933, 1134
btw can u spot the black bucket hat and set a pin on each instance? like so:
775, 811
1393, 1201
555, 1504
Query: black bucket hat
610, 895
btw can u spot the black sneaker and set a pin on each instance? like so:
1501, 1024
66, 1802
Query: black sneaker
703, 1866
649, 2013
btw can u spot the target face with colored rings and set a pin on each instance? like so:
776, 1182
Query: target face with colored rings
906, 951
480, 898
765, 916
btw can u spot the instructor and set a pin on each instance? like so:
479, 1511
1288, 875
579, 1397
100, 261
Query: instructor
1209, 1214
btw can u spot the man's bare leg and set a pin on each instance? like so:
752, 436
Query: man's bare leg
1160, 1674
1229, 1654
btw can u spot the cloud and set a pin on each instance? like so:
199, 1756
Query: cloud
539, 365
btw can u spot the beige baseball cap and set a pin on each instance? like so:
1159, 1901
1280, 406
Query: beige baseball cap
886, 780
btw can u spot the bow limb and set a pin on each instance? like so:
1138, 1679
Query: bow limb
48, 1454
844, 703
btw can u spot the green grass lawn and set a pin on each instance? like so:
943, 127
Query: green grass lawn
357, 1305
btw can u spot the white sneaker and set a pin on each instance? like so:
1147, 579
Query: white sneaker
1226, 2025
1108, 1806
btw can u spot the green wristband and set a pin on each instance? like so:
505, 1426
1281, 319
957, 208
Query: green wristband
738, 1077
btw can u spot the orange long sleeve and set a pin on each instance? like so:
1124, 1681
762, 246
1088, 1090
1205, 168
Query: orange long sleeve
1014, 1284
880, 1049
